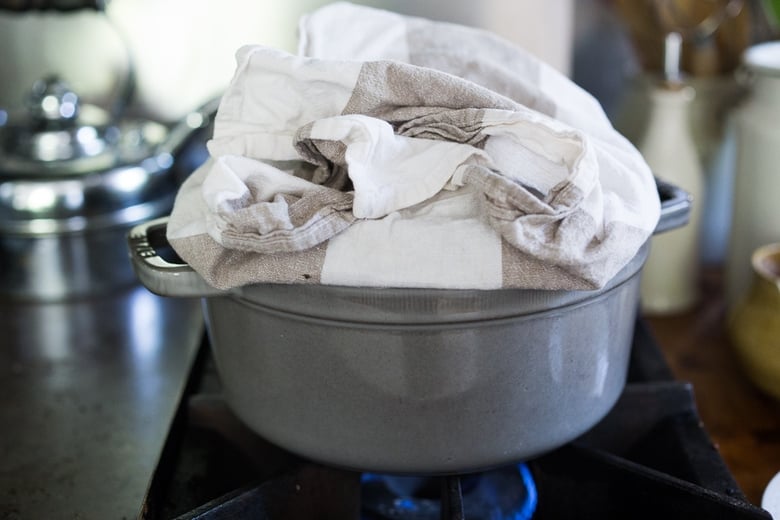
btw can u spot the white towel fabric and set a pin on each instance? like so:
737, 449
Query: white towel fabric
400, 152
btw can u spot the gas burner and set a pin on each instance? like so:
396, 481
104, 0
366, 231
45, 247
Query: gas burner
507, 493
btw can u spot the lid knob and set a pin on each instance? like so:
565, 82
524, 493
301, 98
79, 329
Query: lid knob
51, 102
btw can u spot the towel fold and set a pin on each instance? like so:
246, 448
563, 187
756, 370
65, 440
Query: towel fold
397, 151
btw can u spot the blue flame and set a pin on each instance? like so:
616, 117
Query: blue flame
528, 507
498, 487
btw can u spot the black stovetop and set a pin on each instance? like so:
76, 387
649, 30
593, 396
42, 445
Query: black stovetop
650, 457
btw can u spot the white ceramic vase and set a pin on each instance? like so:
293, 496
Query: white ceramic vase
670, 276
756, 202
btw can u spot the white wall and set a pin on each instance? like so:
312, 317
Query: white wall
184, 48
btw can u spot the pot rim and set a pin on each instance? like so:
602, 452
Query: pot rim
766, 262
413, 307
486, 316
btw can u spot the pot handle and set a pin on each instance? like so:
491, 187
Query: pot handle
675, 206
159, 268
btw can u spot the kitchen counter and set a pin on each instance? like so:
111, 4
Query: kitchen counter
88, 390
743, 422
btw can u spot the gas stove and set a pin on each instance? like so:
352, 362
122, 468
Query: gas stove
650, 457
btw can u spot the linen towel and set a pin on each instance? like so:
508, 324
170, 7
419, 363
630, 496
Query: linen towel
395, 151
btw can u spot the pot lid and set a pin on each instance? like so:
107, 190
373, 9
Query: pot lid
54, 134
67, 166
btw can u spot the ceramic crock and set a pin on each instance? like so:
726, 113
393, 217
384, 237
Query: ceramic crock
754, 322
756, 212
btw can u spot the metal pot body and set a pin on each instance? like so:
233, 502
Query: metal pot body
53, 253
64, 266
436, 397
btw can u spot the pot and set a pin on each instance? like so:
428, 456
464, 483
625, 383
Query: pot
73, 181
413, 380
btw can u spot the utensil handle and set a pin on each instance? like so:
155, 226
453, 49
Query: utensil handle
675, 206
159, 268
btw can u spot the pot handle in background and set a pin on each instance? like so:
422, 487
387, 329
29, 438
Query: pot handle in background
675, 207
188, 127
159, 268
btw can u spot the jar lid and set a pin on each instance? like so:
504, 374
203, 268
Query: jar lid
763, 58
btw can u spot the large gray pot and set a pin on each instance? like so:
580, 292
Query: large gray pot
414, 380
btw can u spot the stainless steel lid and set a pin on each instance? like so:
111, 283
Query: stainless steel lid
66, 166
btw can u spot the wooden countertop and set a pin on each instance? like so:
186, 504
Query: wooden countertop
743, 422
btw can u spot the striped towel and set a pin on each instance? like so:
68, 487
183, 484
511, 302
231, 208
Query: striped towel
394, 151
